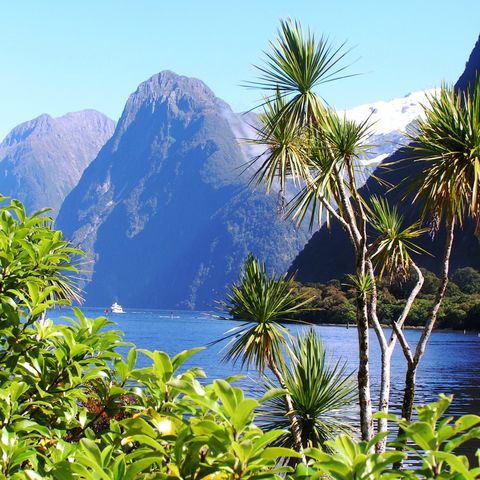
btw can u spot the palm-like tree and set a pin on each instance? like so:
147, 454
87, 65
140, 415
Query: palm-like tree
285, 155
391, 253
321, 393
296, 65
395, 242
325, 158
264, 302
446, 143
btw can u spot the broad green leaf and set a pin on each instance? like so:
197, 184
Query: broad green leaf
244, 413
273, 453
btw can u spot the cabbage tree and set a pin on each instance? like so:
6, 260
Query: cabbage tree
322, 393
446, 145
325, 163
263, 302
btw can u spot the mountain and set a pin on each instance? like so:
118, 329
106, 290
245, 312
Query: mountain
43, 159
164, 212
328, 254
389, 119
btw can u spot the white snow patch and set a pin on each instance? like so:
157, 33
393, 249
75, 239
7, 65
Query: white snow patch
393, 115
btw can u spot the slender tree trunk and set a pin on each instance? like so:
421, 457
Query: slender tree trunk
290, 410
364, 394
407, 407
422, 344
387, 352
410, 378
281, 202
386, 355
408, 305
409, 393
384, 396
359, 241
358, 237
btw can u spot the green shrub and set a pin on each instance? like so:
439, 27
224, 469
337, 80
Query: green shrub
467, 279
431, 444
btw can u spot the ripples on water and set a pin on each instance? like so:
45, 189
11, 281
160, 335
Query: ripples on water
451, 363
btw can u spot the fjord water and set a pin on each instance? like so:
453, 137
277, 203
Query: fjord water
451, 364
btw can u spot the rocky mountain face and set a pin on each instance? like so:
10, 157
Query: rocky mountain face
328, 254
164, 212
43, 159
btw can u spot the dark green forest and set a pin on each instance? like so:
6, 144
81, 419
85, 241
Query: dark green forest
334, 302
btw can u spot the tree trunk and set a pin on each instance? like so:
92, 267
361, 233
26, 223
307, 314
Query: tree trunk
384, 397
407, 407
409, 389
364, 396
358, 237
409, 392
387, 352
290, 410
386, 355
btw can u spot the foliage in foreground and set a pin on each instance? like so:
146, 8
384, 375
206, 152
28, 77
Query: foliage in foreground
73, 407
176, 428
264, 302
315, 393
322, 394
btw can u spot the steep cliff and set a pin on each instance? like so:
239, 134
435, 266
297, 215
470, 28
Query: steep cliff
164, 212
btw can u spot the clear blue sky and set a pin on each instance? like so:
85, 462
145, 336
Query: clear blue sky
64, 55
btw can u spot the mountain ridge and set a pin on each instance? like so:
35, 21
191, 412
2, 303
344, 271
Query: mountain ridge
164, 202
41, 160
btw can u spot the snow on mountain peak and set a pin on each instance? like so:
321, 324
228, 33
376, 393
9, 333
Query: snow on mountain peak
393, 115
389, 121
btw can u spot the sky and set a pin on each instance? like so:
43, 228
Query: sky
59, 56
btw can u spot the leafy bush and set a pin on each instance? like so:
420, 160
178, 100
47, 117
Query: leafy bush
432, 440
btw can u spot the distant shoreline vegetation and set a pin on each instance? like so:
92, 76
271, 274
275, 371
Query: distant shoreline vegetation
334, 302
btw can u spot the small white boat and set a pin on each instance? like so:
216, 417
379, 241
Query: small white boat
116, 308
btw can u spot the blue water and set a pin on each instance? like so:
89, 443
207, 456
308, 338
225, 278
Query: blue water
451, 364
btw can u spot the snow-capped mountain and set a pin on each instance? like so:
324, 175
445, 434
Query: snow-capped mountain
389, 120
